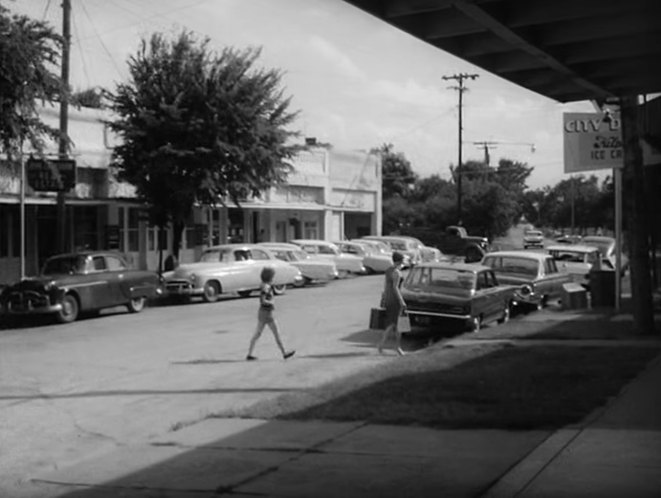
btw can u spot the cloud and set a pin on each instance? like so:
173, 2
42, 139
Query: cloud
339, 60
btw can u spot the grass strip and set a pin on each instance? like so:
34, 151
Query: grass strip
476, 386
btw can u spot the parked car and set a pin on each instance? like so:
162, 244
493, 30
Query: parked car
73, 283
469, 293
536, 275
374, 261
606, 246
229, 268
568, 239
533, 238
381, 247
576, 260
404, 245
346, 263
313, 269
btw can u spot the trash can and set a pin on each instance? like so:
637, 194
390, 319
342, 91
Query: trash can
602, 288
574, 296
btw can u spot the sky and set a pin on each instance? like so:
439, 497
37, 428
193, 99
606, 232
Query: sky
356, 81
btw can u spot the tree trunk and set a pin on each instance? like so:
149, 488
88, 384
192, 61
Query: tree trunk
641, 283
177, 231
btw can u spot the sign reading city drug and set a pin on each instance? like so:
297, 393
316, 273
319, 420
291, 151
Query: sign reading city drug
592, 142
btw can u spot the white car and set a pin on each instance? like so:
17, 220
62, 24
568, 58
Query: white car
606, 246
313, 269
229, 268
577, 261
374, 261
346, 263
533, 238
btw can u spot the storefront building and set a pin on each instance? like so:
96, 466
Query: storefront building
330, 195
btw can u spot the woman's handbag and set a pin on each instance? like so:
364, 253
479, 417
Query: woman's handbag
403, 323
378, 318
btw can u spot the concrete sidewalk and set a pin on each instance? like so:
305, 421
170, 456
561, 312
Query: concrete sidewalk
616, 452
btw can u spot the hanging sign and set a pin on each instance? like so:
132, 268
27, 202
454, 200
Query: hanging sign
592, 141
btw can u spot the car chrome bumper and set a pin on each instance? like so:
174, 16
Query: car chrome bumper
40, 310
437, 314
182, 289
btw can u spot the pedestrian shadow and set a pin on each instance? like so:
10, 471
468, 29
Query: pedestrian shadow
331, 355
209, 361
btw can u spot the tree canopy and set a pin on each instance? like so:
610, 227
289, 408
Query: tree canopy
199, 126
29, 53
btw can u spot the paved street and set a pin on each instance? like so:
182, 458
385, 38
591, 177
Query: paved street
71, 391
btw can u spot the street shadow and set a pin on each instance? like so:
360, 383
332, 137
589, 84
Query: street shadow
503, 388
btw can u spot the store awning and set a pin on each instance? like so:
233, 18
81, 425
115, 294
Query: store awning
567, 50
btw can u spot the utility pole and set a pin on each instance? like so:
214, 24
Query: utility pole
461, 89
63, 144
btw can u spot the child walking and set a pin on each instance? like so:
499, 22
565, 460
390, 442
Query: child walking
265, 314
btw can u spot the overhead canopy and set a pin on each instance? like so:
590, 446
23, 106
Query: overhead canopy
567, 50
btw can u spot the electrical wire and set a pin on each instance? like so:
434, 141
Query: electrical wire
80, 51
103, 45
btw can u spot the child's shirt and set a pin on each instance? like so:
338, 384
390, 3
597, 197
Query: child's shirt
266, 296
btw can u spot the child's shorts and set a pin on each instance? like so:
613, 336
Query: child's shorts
265, 315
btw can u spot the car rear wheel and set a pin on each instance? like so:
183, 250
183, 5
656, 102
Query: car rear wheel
137, 304
70, 309
211, 292
278, 290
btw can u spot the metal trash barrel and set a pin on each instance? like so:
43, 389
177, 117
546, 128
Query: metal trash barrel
602, 288
574, 296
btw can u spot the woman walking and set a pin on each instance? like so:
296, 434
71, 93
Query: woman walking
393, 302
265, 314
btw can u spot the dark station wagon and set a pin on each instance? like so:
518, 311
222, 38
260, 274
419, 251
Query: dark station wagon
468, 293
81, 282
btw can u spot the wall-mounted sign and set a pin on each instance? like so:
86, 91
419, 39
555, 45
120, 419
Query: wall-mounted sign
51, 175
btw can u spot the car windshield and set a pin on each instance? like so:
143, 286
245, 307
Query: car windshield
216, 255
65, 265
533, 233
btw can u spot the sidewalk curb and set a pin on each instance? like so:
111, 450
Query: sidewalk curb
525, 471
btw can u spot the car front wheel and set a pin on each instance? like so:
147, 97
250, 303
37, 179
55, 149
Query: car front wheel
475, 324
70, 309
136, 305
506, 314
211, 292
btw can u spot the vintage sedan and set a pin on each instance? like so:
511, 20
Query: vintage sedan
374, 260
469, 293
313, 269
533, 238
70, 284
346, 263
229, 268
403, 245
606, 246
577, 261
535, 274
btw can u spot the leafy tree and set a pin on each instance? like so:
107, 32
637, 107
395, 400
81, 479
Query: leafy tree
29, 51
398, 176
199, 127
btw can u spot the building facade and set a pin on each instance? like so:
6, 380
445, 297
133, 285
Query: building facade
330, 195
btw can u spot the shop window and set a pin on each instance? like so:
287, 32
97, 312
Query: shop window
310, 230
87, 228
129, 232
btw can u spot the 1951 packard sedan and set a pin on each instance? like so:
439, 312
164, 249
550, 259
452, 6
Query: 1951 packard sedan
81, 282
535, 274
468, 293
229, 268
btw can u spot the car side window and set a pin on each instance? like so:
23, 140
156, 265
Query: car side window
241, 255
326, 250
258, 254
99, 263
115, 264
550, 267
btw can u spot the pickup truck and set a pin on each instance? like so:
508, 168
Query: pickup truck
455, 241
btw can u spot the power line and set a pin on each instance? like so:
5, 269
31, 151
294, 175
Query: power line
460, 77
